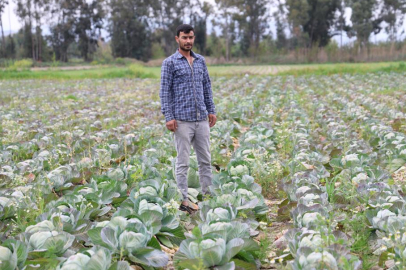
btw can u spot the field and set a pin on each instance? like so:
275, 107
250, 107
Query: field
309, 174
140, 71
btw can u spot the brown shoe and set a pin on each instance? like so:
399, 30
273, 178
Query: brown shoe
186, 208
193, 206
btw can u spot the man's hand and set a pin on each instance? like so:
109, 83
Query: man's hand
172, 125
212, 119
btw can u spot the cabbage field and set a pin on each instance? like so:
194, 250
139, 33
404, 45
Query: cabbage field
309, 173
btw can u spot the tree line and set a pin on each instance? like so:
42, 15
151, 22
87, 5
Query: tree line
145, 29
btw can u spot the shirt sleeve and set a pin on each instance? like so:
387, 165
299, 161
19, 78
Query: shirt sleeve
207, 92
166, 91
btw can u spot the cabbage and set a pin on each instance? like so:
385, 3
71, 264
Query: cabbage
209, 252
312, 241
116, 174
13, 255
239, 170
42, 226
8, 259
128, 238
57, 242
93, 259
317, 259
220, 214
131, 240
310, 220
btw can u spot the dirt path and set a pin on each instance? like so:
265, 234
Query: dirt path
274, 232
64, 68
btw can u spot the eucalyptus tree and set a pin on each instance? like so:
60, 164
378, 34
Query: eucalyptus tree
88, 26
129, 29
253, 21
33, 13
3, 4
199, 18
225, 10
167, 15
280, 20
62, 27
24, 11
365, 18
314, 18
75, 22
393, 13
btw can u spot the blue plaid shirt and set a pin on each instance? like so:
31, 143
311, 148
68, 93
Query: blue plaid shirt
186, 95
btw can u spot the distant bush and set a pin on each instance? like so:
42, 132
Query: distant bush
139, 71
157, 51
103, 53
119, 61
5, 63
125, 61
21, 64
400, 67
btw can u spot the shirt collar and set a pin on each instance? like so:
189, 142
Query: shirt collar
179, 55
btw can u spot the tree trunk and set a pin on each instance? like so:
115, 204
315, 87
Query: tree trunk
38, 32
3, 41
39, 46
227, 40
32, 39
392, 45
2, 31
341, 45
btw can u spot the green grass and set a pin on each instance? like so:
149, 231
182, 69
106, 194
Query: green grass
96, 73
361, 234
138, 71
359, 68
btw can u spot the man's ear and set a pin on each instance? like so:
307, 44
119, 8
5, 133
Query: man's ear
177, 39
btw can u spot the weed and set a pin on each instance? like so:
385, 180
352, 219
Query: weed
360, 233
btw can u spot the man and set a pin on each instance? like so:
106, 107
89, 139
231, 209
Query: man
188, 107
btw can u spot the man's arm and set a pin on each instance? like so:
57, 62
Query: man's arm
207, 92
208, 97
166, 92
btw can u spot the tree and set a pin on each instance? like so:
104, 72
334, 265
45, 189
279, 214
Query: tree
128, 27
10, 50
63, 27
199, 23
167, 15
78, 22
315, 18
252, 20
393, 13
24, 12
365, 20
279, 15
298, 16
31, 13
88, 26
40, 11
3, 4
226, 10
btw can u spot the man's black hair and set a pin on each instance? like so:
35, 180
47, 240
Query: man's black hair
185, 28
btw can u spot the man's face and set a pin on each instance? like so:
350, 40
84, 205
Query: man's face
185, 41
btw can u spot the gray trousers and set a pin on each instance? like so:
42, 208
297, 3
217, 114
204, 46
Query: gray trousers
198, 135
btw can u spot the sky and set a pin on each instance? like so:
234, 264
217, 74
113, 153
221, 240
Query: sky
12, 23
9, 18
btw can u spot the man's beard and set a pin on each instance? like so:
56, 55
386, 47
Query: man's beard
183, 48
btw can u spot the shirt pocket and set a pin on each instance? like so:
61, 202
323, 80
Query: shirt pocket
181, 75
199, 74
